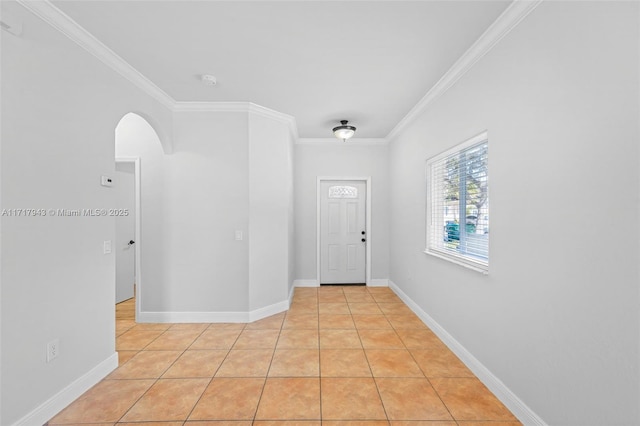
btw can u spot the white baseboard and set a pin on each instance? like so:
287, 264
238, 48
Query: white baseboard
66, 396
192, 317
267, 311
378, 282
306, 283
291, 293
213, 317
495, 385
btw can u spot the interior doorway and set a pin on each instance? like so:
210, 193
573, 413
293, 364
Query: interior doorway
344, 231
125, 228
138, 141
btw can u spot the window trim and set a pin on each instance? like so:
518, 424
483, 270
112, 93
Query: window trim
459, 259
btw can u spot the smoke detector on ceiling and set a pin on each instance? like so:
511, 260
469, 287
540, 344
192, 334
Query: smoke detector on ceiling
209, 80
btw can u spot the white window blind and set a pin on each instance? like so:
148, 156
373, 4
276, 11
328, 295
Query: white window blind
458, 204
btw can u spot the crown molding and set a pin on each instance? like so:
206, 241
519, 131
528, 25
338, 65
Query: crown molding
211, 107
231, 107
285, 119
59, 20
272, 114
335, 141
246, 107
507, 21
49, 13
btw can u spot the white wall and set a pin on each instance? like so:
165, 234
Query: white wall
557, 317
60, 107
207, 200
291, 225
270, 192
353, 159
230, 171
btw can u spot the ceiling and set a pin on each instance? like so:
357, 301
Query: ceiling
368, 62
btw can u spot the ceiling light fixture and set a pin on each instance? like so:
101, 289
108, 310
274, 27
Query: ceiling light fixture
344, 131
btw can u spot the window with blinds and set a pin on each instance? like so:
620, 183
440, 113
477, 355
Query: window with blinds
458, 204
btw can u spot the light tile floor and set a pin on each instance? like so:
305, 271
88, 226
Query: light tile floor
342, 355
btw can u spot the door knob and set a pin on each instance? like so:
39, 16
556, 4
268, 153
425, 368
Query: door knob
131, 242
362, 232
363, 240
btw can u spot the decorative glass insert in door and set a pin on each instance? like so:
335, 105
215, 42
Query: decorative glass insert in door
340, 191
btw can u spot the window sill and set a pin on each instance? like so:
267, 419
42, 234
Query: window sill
458, 260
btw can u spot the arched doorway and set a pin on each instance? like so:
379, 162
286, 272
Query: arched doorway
137, 193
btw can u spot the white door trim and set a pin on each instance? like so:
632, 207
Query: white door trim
369, 234
138, 220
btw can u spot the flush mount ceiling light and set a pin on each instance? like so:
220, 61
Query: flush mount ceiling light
344, 131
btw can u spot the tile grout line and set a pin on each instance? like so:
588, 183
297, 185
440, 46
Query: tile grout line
425, 375
319, 355
384, 408
152, 385
159, 377
412, 333
214, 373
266, 376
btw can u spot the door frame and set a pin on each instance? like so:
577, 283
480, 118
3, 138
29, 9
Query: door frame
367, 180
138, 233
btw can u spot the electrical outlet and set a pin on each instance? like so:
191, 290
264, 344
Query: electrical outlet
53, 350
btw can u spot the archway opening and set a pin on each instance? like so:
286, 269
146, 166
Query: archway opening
137, 194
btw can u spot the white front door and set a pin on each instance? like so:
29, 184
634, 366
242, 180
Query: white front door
124, 187
343, 232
